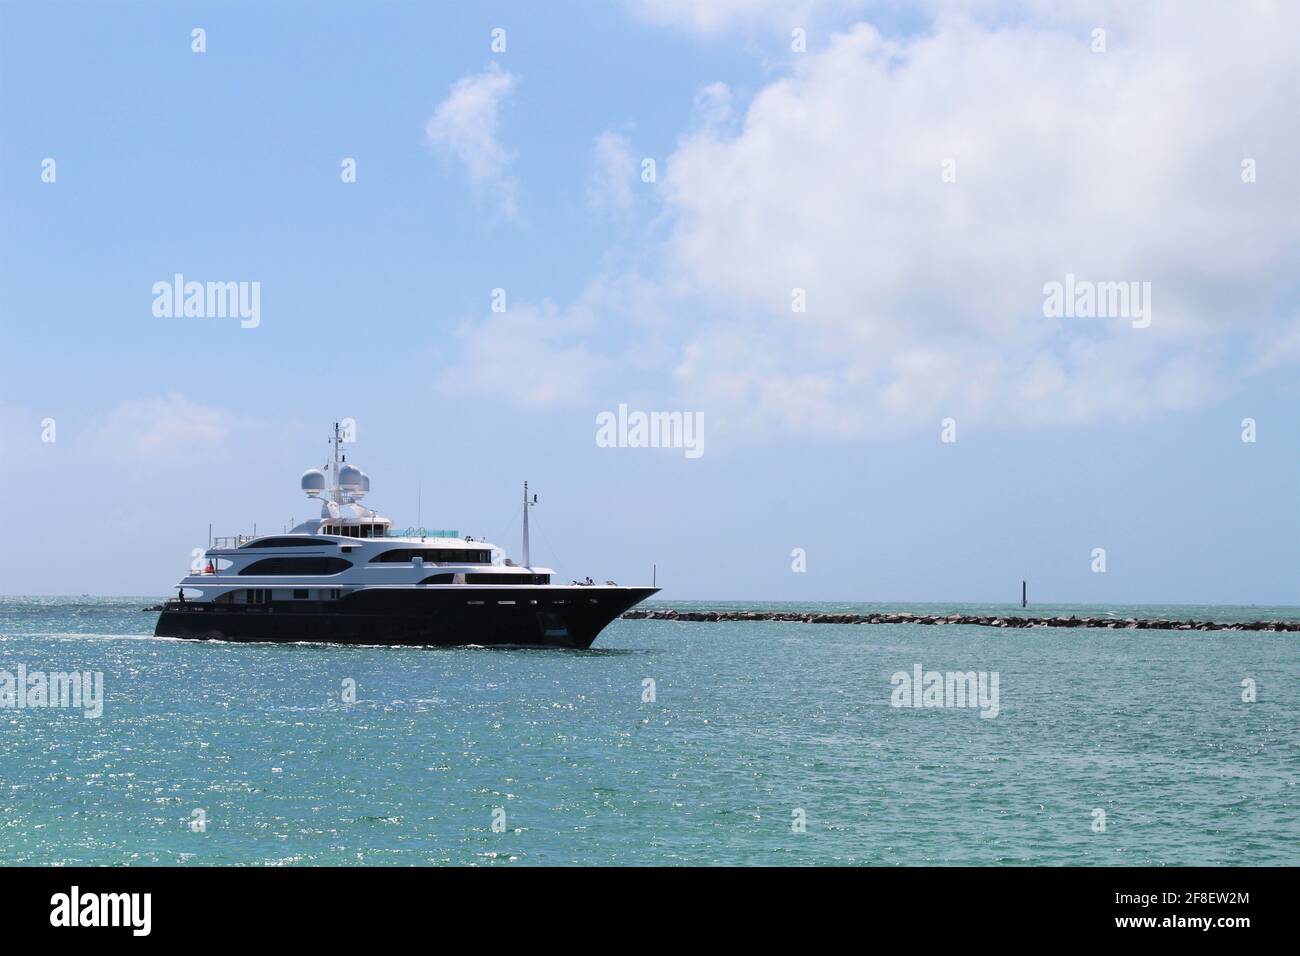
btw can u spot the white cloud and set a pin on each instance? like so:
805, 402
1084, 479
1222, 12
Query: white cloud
713, 106
161, 430
610, 188
465, 124
714, 16
532, 355
925, 297
1280, 348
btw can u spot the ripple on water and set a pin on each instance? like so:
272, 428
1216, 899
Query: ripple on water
490, 757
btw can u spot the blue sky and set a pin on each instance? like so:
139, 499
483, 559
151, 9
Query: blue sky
776, 169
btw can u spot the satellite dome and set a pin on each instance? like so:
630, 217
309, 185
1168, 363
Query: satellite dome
350, 478
363, 486
313, 482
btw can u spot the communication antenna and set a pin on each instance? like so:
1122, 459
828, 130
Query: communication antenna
527, 505
336, 493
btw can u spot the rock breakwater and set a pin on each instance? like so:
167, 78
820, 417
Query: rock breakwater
981, 620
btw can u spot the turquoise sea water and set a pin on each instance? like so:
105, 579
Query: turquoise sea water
750, 723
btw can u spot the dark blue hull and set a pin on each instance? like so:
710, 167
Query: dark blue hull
528, 616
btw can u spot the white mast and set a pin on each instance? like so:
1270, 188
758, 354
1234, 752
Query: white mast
336, 492
527, 564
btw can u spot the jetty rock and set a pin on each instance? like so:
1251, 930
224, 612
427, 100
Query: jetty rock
978, 620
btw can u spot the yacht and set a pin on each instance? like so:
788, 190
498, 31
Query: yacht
348, 577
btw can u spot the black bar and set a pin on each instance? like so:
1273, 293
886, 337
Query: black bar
301, 905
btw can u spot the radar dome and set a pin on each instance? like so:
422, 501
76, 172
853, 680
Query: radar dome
313, 482
363, 488
350, 478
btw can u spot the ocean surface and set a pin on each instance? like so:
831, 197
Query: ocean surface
764, 743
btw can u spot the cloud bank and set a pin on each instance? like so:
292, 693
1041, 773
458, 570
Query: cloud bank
917, 193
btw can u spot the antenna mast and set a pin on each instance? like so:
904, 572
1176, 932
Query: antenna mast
527, 563
336, 492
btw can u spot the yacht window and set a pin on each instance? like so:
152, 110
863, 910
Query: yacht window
287, 543
404, 555
449, 555
304, 565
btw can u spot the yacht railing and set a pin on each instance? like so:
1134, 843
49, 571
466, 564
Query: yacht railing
230, 542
